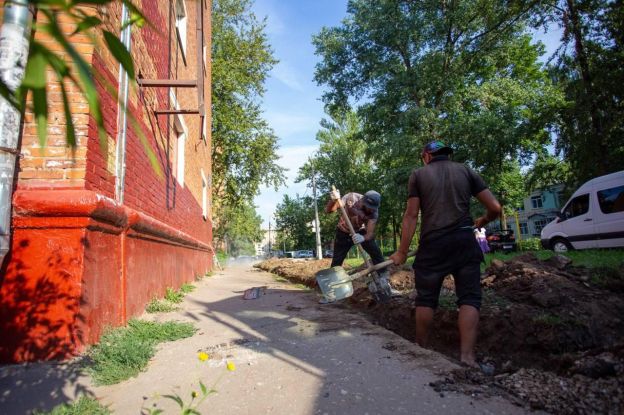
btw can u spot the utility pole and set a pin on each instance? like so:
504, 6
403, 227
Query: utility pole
269, 255
319, 254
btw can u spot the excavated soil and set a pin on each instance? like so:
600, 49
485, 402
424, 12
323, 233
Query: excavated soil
551, 335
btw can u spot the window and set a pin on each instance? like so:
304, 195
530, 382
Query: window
181, 132
524, 229
204, 195
536, 202
611, 200
577, 206
539, 225
180, 16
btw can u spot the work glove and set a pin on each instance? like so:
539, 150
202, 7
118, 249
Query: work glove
357, 238
334, 194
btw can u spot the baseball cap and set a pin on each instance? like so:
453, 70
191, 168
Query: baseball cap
437, 147
371, 199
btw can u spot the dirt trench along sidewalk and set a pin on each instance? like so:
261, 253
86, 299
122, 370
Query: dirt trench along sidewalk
291, 356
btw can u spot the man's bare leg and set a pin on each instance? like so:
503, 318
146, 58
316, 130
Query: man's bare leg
468, 321
424, 317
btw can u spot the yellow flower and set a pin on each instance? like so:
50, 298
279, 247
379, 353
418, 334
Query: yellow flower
230, 366
203, 356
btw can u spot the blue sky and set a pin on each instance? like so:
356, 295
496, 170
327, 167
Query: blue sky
292, 104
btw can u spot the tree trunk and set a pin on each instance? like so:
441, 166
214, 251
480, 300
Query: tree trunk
586, 78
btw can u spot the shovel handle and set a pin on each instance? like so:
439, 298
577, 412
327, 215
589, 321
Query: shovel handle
376, 267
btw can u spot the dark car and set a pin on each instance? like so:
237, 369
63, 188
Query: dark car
502, 240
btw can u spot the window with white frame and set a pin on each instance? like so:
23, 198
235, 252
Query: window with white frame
181, 25
181, 132
536, 202
204, 195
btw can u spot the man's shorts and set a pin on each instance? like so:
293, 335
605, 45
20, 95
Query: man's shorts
457, 254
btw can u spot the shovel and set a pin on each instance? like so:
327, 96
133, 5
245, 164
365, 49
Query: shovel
336, 284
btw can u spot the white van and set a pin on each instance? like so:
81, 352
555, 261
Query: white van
592, 218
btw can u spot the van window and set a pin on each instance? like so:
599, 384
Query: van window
611, 200
577, 206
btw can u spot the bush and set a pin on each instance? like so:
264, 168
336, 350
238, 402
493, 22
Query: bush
531, 244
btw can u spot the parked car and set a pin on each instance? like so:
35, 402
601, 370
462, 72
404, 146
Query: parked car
304, 254
328, 253
502, 240
592, 218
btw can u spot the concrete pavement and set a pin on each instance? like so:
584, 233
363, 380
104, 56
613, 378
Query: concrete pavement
292, 356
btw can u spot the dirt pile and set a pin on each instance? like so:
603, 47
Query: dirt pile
552, 333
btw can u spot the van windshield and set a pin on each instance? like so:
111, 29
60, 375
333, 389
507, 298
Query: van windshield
577, 206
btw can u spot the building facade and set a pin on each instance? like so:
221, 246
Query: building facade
538, 209
100, 229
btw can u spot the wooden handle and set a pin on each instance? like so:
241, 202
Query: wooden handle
376, 267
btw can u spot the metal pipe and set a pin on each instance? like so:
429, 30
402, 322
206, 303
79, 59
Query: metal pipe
122, 119
14, 46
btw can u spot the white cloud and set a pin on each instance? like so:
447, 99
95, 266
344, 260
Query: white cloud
286, 74
288, 124
292, 158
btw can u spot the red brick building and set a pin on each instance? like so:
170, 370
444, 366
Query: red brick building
97, 231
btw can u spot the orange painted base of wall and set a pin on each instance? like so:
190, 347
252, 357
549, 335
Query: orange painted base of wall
79, 263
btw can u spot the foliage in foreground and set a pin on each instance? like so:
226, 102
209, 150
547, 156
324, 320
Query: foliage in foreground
123, 352
83, 406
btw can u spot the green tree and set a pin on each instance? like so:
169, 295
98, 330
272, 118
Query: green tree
243, 145
465, 72
241, 227
293, 217
588, 67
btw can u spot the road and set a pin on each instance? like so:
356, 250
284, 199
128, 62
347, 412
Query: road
292, 356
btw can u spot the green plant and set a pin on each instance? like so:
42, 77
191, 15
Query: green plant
83, 406
531, 244
448, 301
175, 297
160, 306
123, 352
191, 407
186, 288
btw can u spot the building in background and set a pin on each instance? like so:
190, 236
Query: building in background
538, 209
97, 231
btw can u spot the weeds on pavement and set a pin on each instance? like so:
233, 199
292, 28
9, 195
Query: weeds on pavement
196, 397
160, 306
123, 352
83, 406
172, 297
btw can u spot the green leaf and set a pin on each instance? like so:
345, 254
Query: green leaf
156, 412
176, 399
71, 131
203, 388
87, 23
120, 52
35, 75
40, 109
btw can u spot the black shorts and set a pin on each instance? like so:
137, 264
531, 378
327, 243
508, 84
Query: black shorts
457, 254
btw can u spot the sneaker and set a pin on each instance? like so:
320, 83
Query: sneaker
324, 300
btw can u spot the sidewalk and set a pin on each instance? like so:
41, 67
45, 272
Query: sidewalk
292, 356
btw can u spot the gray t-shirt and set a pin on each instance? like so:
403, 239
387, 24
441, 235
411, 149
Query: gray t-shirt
359, 219
444, 188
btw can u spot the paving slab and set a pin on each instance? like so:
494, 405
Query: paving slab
291, 356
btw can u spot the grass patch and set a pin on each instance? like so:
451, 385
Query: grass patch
447, 301
173, 296
83, 406
279, 278
160, 306
548, 319
187, 288
590, 258
354, 262
123, 352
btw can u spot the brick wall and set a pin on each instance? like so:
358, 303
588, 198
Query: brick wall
156, 53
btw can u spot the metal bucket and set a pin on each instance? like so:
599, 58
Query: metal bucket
334, 283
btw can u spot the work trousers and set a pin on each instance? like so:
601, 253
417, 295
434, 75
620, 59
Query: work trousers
343, 243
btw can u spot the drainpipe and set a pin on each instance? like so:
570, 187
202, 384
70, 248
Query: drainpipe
14, 45
122, 119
